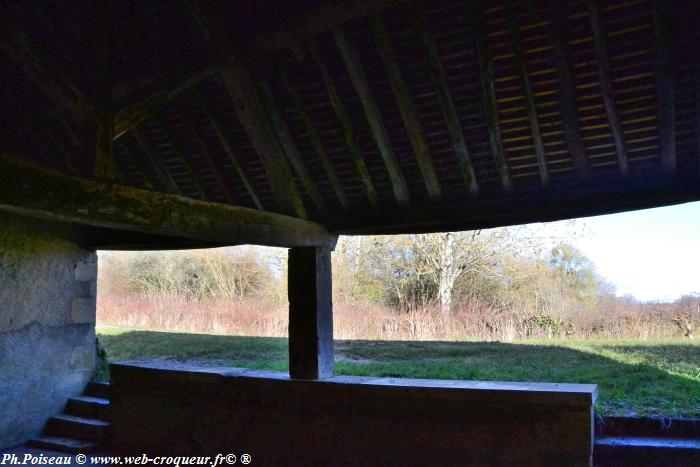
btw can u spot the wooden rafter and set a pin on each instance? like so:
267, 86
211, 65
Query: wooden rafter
178, 149
530, 107
489, 94
102, 31
227, 149
319, 20
56, 85
35, 191
346, 126
239, 80
447, 106
132, 115
667, 114
284, 135
407, 108
139, 167
313, 135
567, 100
212, 165
359, 80
158, 165
601, 52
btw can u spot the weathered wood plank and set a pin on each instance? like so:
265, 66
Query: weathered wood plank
310, 313
35, 191
227, 149
667, 113
489, 94
447, 106
313, 135
567, 100
606, 88
530, 107
374, 117
407, 108
346, 127
158, 165
284, 135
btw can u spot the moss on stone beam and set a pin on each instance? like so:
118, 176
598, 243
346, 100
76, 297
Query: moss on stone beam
35, 191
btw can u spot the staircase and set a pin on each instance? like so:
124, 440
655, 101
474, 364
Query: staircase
627, 441
82, 427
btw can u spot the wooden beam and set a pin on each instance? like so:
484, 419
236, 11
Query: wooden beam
256, 122
489, 94
667, 114
31, 57
35, 191
289, 146
181, 155
240, 82
210, 162
601, 52
346, 127
313, 135
319, 20
132, 115
567, 100
138, 166
227, 149
411, 121
102, 35
310, 313
447, 106
530, 107
158, 165
374, 117
587, 200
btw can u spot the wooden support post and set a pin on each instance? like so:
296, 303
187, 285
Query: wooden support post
310, 313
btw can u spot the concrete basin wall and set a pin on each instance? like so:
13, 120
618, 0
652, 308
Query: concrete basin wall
166, 410
47, 330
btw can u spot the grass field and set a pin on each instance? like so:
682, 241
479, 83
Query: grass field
635, 377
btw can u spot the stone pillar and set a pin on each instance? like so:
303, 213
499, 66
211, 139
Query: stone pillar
310, 313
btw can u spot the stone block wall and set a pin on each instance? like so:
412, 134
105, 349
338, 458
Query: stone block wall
47, 324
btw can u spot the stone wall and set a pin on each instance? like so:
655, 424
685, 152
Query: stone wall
166, 409
47, 323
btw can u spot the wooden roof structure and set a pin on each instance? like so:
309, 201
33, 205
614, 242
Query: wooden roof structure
157, 123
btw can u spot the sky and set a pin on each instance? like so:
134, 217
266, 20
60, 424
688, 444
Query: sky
652, 254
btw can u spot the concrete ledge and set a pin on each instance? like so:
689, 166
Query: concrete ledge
560, 394
348, 420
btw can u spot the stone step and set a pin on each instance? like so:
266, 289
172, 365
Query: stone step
62, 444
97, 389
614, 427
87, 429
646, 451
88, 407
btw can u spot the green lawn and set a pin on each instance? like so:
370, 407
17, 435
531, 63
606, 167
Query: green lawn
635, 377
